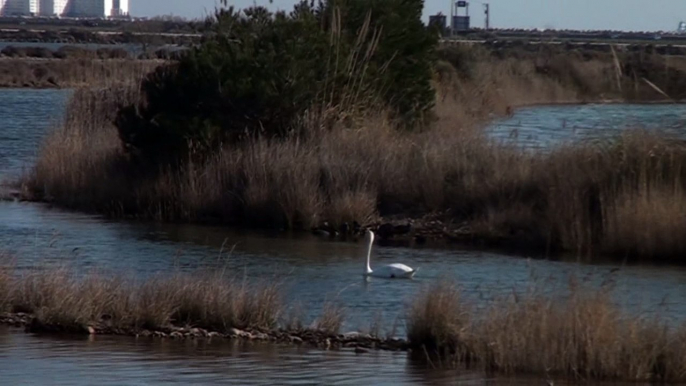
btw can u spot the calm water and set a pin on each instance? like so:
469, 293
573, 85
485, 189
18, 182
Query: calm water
311, 269
25, 115
543, 126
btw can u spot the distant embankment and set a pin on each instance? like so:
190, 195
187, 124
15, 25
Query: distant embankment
39, 51
71, 66
572, 35
660, 47
97, 37
71, 73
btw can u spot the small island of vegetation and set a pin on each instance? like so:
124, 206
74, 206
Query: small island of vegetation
355, 113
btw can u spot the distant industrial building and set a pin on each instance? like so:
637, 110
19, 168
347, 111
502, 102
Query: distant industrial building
52, 7
16, 7
459, 21
65, 8
439, 21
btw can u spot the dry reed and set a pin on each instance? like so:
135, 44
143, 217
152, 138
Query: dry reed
440, 318
210, 300
582, 336
331, 319
5, 283
94, 157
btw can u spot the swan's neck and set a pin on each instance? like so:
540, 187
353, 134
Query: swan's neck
369, 255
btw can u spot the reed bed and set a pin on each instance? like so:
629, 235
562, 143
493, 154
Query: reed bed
62, 299
582, 336
5, 284
331, 319
621, 197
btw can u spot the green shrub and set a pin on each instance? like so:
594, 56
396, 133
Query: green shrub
258, 73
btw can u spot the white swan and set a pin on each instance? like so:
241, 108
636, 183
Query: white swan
391, 271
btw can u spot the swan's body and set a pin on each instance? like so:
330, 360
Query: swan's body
391, 271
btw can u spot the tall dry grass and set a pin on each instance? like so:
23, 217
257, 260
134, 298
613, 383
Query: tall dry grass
486, 80
5, 282
582, 336
620, 197
440, 319
82, 165
331, 319
204, 299
650, 220
505, 74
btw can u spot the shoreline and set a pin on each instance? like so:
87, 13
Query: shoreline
434, 236
469, 242
360, 343
601, 102
441, 325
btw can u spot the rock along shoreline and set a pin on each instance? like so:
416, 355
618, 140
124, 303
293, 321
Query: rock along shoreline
360, 343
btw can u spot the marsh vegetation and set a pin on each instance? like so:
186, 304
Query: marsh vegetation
365, 118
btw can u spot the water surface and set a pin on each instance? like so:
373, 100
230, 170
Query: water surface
25, 115
543, 127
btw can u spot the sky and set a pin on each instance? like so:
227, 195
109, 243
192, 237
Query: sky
627, 15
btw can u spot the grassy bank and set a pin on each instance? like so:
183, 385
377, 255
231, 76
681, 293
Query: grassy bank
72, 73
63, 300
207, 303
584, 336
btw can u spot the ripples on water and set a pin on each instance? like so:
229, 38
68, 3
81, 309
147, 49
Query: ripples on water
313, 271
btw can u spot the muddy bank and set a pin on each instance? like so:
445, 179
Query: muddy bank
435, 229
318, 339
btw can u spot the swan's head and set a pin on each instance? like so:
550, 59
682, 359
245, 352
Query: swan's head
369, 236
